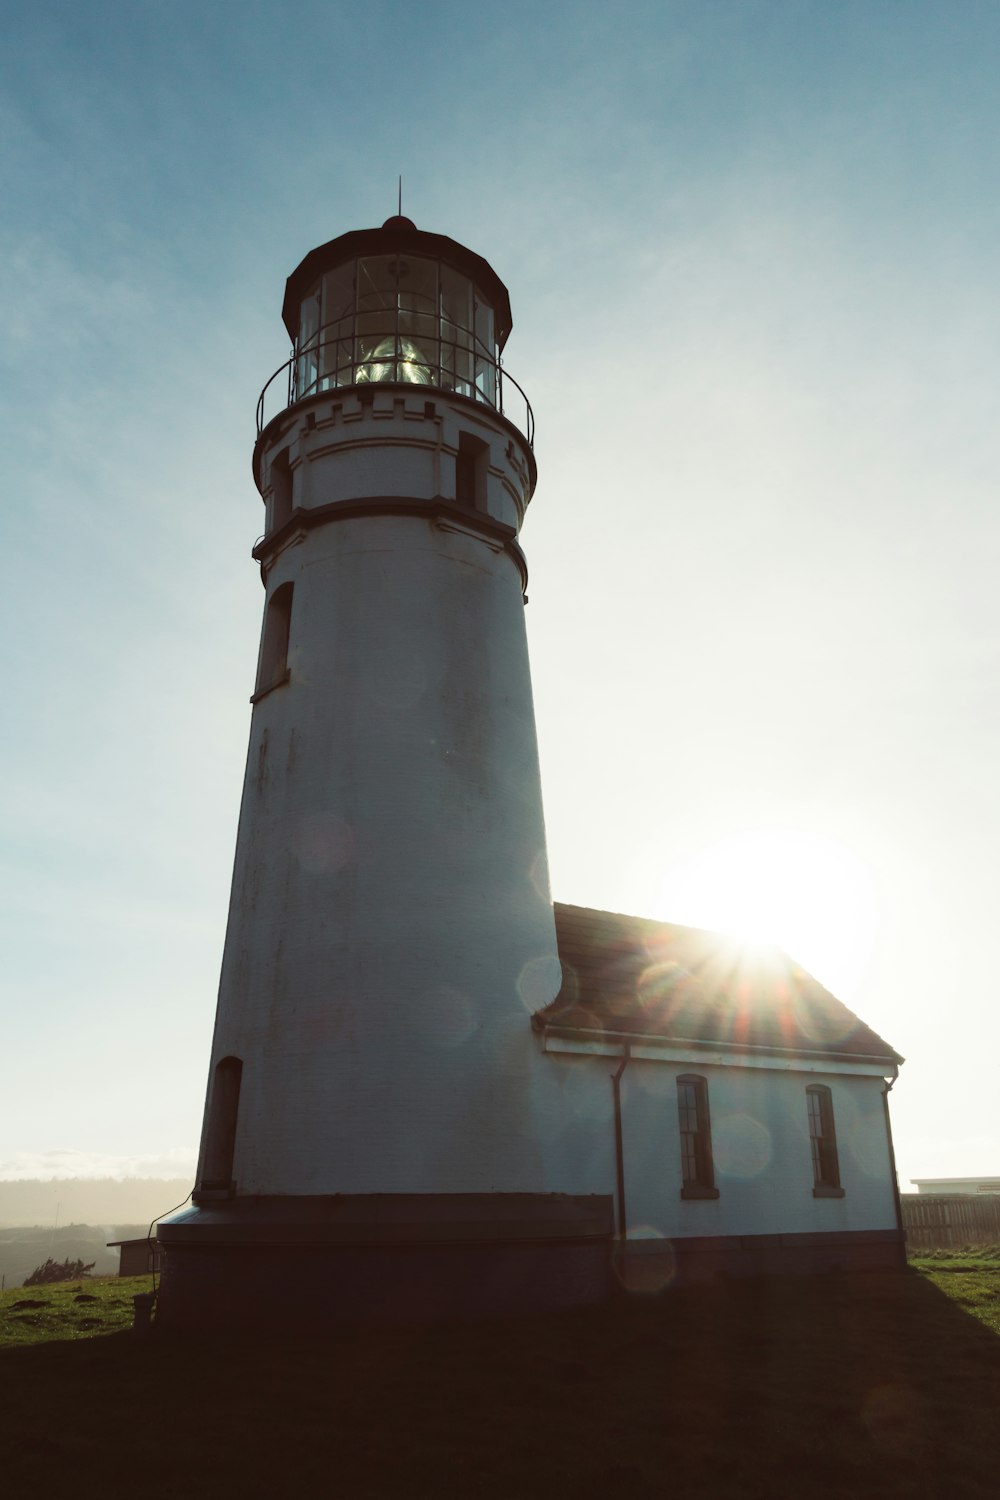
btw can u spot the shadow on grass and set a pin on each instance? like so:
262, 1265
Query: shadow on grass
835, 1386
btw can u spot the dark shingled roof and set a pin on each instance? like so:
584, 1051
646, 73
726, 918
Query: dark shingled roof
634, 977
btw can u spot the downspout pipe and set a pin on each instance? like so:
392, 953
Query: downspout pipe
889, 1083
616, 1086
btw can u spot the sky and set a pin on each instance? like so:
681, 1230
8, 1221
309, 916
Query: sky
751, 248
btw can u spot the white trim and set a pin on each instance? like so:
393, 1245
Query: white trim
707, 1056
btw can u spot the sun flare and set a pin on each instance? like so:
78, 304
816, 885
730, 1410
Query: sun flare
800, 891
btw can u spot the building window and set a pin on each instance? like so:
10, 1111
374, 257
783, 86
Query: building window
273, 668
220, 1132
823, 1143
471, 463
281, 490
697, 1172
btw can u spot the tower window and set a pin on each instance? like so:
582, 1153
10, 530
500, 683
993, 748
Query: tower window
697, 1171
273, 668
823, 1142
281, 490
471, 463
220, 1130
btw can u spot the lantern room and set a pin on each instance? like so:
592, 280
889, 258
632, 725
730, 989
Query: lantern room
395, 306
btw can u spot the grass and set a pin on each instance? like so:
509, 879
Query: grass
68, 1310
970, 1278
985, 1257
844, 1386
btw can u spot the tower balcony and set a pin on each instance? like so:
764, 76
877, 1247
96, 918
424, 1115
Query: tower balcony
339, 359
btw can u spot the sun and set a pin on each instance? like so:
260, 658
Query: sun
796, 889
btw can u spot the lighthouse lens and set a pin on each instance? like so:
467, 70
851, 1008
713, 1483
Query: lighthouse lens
386, 361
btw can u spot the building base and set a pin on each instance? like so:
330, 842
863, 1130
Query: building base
297, 1264
653, 1265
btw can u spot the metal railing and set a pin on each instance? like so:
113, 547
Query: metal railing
336, 364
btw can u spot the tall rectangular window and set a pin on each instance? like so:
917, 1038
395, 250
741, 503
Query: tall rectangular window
281, 491
823, 1143
697, 1171
471, 463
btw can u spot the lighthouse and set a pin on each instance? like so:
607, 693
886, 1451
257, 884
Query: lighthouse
383, 1134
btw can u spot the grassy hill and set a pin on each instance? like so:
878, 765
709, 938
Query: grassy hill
881, 1385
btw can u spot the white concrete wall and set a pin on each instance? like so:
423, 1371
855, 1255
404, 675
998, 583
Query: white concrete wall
390, 926
760, 1141
355, 444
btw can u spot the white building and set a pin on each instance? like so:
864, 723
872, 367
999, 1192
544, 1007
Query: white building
409, 1103
953, 1186
746, 1127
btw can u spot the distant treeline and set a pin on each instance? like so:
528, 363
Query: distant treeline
89, 1200
22, 1250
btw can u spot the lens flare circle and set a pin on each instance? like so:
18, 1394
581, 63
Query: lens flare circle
742, 1146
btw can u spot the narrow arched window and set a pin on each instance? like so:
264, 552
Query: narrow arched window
823, 1142
220, 1130
273, 668
697, 1170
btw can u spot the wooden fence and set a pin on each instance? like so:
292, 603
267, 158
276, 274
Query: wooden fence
935, 1221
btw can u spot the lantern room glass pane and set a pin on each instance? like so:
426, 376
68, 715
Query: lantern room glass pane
484, 328
337, 325
456, 332
338, 294
456, 305
486, 380
418, 314
307, 364
418, 285
377, 283
486, 388
309, 319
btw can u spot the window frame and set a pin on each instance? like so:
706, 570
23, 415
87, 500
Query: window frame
272, 667
222, 1121
823, 1142
282, 499
697, 1164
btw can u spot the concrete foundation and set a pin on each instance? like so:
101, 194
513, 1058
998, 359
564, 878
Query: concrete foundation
295, 1265
654, 1265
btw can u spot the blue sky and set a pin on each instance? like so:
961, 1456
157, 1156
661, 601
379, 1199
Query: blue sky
751, 250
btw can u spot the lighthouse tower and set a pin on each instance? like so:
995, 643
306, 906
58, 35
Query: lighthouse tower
380, 1133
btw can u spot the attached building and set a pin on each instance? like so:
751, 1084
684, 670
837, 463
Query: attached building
737, 1110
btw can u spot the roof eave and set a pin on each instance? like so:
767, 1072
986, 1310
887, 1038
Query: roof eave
396, 239
653, 1039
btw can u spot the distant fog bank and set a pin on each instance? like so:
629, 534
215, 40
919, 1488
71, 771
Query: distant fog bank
83, 1200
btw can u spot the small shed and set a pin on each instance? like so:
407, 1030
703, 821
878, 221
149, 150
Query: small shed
138, 1257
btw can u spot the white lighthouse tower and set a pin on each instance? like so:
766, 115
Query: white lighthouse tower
379, 1127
